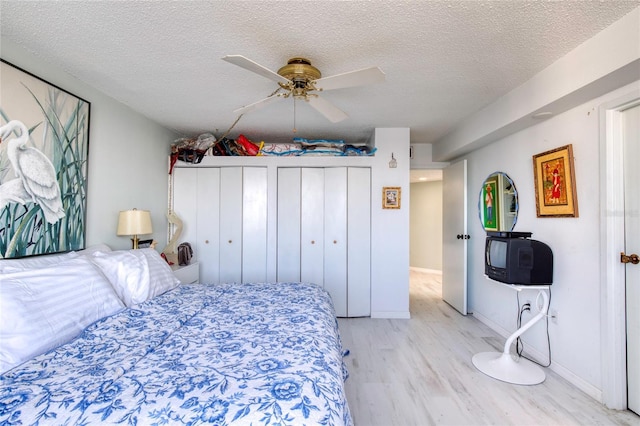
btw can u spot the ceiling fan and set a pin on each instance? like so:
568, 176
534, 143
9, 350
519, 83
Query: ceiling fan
301, 80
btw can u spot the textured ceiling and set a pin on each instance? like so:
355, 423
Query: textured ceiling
443, 60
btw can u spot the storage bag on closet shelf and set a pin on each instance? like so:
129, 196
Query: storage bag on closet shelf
185, 252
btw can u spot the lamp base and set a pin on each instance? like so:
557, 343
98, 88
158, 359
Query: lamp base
504, 367
134, 242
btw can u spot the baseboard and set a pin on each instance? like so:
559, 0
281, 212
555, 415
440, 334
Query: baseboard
391, 315
559, 369
428, 271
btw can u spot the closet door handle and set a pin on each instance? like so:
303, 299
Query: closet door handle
313, 241
631, 258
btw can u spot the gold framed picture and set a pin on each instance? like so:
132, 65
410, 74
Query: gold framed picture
554, 178
391, 197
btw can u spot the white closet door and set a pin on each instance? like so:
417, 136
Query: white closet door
208, 224
254, 224
312, 226
195, 201
359, 237
289, 190
230, 224
335, 237
185, 205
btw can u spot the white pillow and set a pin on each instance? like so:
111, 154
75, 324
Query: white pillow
41, 309
94, 248
136, 275
32, 262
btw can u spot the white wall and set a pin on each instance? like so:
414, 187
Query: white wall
426, 225
505, 137
390, 227
127, 156
575, 339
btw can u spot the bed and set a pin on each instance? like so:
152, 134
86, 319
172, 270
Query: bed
263, 353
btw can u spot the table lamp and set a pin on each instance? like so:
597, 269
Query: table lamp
134, 222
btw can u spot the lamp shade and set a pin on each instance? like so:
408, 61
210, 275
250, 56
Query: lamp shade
134, 222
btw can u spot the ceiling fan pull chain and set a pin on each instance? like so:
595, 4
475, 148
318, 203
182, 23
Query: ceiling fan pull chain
294, 115
275, 92
230, 128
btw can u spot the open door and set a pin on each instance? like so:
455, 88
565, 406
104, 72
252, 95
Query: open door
620, 225
631, 120
454, 236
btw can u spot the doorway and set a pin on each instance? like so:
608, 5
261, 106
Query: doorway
425, 229
425, 220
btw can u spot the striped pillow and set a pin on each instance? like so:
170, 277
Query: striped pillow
41, 309
42, 261
32, 262
136, 275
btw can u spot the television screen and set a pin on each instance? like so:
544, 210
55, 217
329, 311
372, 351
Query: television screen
498, 254
518, 260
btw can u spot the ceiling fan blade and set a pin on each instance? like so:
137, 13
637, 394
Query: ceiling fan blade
327, 109
255, 67
351, 79
261, 103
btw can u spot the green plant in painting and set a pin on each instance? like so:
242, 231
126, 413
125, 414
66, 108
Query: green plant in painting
23, 230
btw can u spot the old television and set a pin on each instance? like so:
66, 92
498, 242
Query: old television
514, 258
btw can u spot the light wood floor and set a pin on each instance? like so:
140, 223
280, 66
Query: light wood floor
419, 372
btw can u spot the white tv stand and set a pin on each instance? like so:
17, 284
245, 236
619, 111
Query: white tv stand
509, 368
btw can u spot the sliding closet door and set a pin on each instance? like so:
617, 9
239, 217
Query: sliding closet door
324, 233
230, 224
196, 202
289, 188
185, 205
312, 226
335, 237
254, 224
208, 224
359, 237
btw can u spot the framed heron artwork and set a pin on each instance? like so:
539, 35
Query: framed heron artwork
44, 143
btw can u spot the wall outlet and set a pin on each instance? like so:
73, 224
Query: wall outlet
554, 316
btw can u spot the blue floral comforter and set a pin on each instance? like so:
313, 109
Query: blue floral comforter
262, 354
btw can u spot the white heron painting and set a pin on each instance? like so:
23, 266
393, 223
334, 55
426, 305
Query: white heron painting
44, 135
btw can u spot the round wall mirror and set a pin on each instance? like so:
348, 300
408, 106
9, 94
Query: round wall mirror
498, 203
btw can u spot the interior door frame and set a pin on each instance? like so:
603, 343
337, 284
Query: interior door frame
612, 272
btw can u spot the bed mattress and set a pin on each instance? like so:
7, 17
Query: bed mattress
261, 353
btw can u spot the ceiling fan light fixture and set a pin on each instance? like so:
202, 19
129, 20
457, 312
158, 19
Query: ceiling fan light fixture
299, 69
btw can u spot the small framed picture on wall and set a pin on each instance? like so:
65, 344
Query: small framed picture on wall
555, 183
391, 197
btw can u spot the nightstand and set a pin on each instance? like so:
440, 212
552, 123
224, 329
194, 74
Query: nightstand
187, 274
